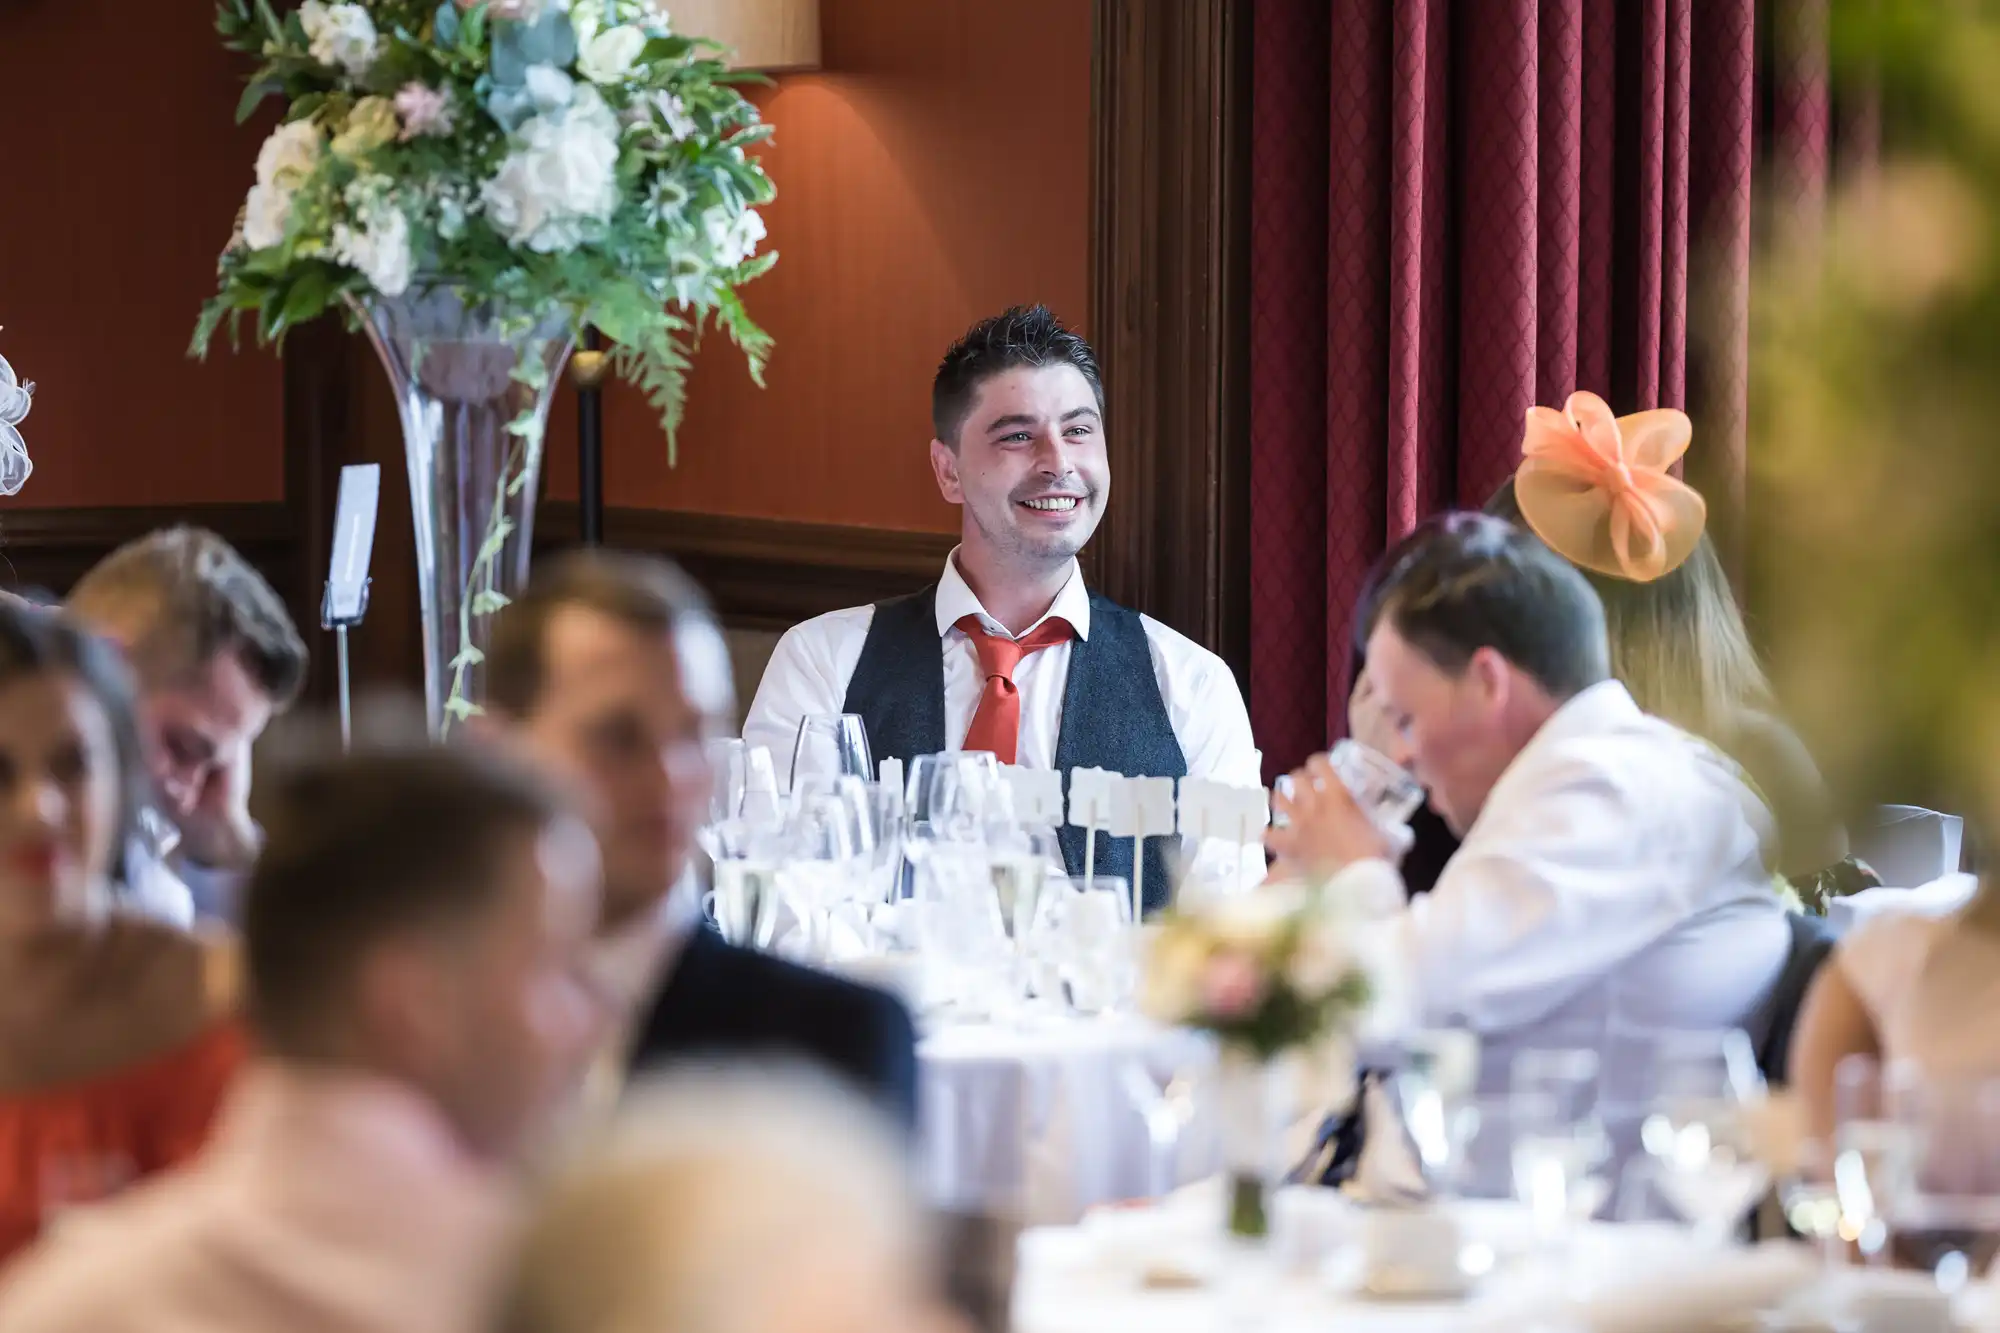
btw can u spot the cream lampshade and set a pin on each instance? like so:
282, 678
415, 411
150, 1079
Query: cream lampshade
772, 35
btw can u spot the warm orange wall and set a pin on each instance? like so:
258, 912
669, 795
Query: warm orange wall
936, 170
120, 173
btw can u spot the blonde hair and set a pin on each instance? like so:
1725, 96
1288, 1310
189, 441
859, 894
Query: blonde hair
709, 1187
1678, 643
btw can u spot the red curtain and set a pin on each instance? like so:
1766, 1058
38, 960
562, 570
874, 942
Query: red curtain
1459, 211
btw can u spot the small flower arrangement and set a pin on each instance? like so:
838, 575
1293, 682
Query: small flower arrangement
1269, 972
1273, 973
16, 397
534, 155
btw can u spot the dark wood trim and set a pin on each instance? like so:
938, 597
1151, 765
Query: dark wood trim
50, 549
768, 573
1170, 310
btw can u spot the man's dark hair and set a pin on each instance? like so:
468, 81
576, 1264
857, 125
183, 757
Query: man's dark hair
366, 847
186, 596
1027, 337
642, 593
1463, 582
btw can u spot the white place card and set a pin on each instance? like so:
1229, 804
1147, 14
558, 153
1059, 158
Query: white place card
1038, 794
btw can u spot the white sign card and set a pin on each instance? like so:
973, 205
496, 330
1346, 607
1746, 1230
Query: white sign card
353, 542
1038, 794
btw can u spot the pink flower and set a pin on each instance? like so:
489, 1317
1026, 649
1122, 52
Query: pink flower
423, 110
1233, 986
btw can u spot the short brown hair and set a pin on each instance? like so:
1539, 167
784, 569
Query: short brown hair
642, 593
363, 847
181, 597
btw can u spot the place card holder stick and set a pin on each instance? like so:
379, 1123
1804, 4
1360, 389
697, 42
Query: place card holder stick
1090, 810
346, 598
1141, 808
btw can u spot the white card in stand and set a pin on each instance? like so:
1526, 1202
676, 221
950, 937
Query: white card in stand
1216, 810
1090, 810
1038, 794
1141, 808
892, 774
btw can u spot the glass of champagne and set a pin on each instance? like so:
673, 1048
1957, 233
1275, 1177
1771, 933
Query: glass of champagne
1874, 1151
1945, 1217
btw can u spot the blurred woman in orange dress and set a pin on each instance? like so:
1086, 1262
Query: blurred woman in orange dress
117, 1034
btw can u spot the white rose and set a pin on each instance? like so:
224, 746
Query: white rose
266, 214
610, 55
380, 249
340, 35
289, 155
549, 88
733, 239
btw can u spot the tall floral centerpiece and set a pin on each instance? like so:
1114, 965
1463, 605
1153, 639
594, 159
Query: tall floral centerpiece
1273, 974
473, 182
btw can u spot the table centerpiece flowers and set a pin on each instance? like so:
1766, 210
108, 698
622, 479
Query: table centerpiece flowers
474, 182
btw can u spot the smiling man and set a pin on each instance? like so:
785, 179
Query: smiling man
1009, 651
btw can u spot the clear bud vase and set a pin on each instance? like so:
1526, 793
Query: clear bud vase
1251, 1109
473, 391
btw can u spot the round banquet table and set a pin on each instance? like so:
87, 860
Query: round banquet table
1636, 1278
1040, 1121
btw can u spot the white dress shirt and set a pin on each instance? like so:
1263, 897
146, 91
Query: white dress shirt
1614, 884
810, 670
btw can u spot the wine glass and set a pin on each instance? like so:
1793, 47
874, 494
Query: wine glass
1558, 1142
959, 930
1945, 1218
1874, 1152
1696, 1132
1167, 1108
1439, 1073
832, 746
1085, 927
727, 762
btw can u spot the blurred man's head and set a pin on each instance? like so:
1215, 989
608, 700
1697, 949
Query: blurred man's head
795, 1219
423, 914
612, 670
1475, 634
215, 655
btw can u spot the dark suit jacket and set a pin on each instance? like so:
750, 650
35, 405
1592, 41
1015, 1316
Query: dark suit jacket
720, 1000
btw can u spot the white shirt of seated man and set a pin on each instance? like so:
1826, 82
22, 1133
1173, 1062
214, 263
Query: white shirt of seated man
1612, 875
1028, 469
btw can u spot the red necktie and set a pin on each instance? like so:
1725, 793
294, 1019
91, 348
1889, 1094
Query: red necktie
996, 724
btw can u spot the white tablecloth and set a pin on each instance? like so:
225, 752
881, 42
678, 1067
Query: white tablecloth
1040, 1122
1630, 1278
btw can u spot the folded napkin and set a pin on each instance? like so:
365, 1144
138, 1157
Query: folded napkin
1940, 897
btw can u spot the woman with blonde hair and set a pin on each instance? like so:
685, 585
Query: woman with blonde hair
1599, 491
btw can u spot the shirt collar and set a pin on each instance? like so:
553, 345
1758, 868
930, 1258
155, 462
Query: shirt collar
1597, 709
629, 964
956, 600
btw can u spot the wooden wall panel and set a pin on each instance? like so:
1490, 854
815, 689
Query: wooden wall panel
120, 174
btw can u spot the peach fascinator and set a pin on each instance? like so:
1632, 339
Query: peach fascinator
1596, 488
